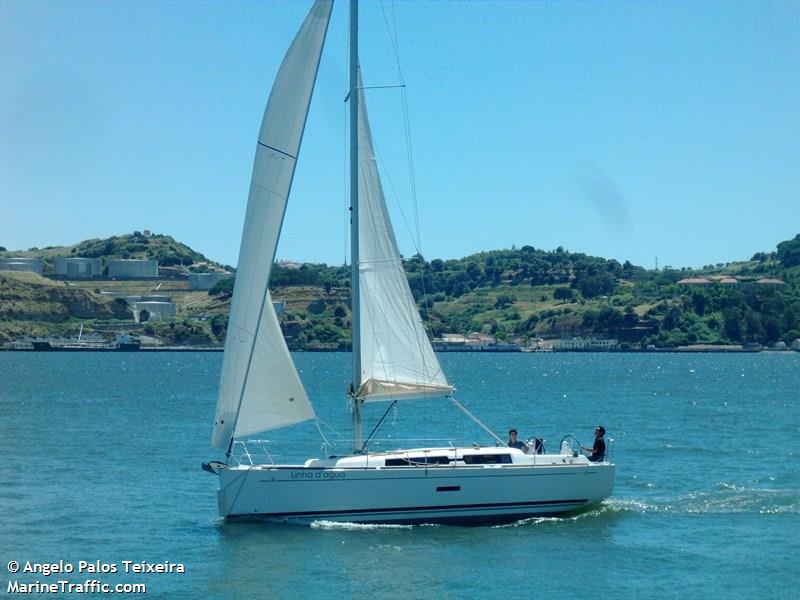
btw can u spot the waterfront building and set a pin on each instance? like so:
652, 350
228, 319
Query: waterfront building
584, 344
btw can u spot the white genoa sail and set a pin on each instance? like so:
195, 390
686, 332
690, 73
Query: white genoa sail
397, 360
259, 386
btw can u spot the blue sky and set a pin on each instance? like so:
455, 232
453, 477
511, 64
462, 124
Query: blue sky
630, 130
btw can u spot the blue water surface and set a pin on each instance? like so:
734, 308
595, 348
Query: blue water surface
102, 452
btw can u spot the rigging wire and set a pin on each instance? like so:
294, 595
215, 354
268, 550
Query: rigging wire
466, 411
413, 231
393, 38
345, 187
378, 425
345, 165
332, 429
417, 240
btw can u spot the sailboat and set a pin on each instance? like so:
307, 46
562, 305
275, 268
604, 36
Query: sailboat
393, 360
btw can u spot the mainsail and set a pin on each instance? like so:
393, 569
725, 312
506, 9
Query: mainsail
397, 360
259, 387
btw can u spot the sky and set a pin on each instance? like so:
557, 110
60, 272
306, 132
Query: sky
639, 131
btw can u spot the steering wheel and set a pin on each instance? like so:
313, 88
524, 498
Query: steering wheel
572, 441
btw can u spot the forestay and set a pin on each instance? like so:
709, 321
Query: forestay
259, 387
397, 360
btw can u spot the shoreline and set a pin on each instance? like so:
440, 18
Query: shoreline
679, 350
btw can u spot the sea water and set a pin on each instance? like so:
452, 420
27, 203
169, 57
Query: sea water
101, 462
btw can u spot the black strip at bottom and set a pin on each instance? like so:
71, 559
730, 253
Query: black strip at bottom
430, 514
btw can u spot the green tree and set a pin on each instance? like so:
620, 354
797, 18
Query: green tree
564, 293
732, 319
223, 288
753, 327
121, 309
789, 252
596, 285
700, 301
219, 325
504, 301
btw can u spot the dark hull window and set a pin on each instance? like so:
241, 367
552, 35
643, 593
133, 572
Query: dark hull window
417, 461
487, 459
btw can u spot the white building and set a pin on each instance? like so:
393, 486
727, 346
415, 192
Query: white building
454, 338
587, 344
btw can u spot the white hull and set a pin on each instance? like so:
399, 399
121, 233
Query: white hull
456, 494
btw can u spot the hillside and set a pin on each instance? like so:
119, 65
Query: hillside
517, 294
531, 293
33, 305
137, 245
528, 293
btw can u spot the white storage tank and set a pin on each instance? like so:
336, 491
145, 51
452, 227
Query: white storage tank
132, 268
155, 310
205, 281
22, 263
78, 267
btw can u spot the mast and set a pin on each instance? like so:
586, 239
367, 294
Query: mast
358, 435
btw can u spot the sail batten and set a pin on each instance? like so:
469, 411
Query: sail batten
260, 388
397, 359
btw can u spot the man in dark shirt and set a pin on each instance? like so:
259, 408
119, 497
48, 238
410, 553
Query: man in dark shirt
513, 442
598, 451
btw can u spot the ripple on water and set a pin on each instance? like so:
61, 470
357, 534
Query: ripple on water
731, 498
725, 498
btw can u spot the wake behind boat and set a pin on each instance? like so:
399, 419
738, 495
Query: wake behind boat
393, 360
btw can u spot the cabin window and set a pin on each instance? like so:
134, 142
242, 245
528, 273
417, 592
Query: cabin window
487, 459
437, 460
417, 461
